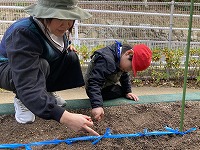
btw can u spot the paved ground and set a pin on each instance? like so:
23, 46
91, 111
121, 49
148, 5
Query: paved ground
79, 93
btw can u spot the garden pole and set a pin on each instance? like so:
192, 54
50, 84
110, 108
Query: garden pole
186, 64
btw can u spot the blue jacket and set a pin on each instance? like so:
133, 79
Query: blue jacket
22, 45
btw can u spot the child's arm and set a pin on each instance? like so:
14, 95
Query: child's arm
126, 85
126, 82
95, 81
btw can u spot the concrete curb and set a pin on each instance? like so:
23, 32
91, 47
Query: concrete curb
85, 103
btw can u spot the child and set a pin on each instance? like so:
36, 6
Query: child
107, 75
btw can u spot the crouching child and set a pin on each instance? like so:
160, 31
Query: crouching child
108, 73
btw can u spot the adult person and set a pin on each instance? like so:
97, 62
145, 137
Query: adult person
107, 75
37, 59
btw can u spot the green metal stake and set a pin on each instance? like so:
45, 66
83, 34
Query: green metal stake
186, 64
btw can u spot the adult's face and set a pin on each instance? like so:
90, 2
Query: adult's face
58, 27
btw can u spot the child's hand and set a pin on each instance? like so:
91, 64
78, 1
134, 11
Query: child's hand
132, 96
98, 113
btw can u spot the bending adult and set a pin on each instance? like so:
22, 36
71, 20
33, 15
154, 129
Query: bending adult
36, 59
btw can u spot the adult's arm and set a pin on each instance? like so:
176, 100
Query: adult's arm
24, 50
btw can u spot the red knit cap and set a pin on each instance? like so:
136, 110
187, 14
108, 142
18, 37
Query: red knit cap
141, 58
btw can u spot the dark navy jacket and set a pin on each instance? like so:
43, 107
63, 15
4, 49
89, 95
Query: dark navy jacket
104, 71
22, 46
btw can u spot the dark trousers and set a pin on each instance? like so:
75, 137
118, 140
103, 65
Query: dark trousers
112, 92
64, 73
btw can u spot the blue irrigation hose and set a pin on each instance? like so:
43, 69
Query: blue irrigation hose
96, 139
106, 134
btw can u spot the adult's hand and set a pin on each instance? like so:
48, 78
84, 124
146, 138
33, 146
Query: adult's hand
72, 48
78, 122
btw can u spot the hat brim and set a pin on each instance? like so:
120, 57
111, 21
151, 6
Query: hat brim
76, 13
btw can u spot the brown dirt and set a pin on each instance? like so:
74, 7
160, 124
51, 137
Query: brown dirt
120, 119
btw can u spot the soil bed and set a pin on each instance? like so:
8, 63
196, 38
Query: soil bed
121, 120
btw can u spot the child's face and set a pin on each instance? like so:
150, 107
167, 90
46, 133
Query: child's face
125, 62
59, 26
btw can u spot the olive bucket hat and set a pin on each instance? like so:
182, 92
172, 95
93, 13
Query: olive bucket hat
60, 9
